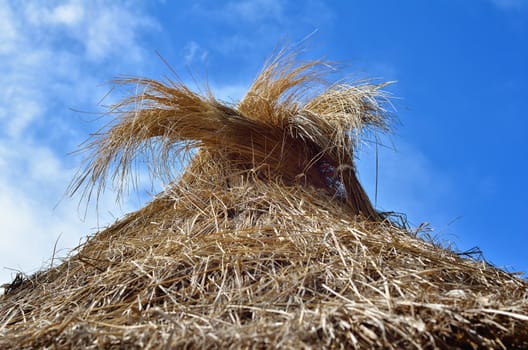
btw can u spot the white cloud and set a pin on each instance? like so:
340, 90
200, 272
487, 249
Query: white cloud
8, 32
50, 46
103, 29
18, 108
32, 182
54, 54
112, 32
69, 14
50, 13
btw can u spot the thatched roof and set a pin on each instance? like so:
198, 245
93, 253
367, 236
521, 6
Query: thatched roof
267, 239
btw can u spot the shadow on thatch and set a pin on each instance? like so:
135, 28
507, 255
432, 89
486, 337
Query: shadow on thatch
267, 240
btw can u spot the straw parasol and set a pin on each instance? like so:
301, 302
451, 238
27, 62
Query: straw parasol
267, 239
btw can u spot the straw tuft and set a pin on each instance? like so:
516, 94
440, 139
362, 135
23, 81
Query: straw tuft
290, 127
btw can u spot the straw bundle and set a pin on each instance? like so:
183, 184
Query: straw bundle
271, 131
267, 240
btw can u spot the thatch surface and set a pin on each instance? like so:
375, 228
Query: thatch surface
234, 256
262, 266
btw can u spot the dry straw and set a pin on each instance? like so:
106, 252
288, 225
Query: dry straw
266, 241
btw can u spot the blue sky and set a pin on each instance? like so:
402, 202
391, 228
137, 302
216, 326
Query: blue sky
456, 158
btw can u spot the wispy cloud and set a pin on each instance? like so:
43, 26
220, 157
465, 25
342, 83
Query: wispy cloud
8, 32
255, 10
251, 26
406, 179
246, 11
32, 182
510, 5
102, 29
54, 54
48, 47
194, 52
